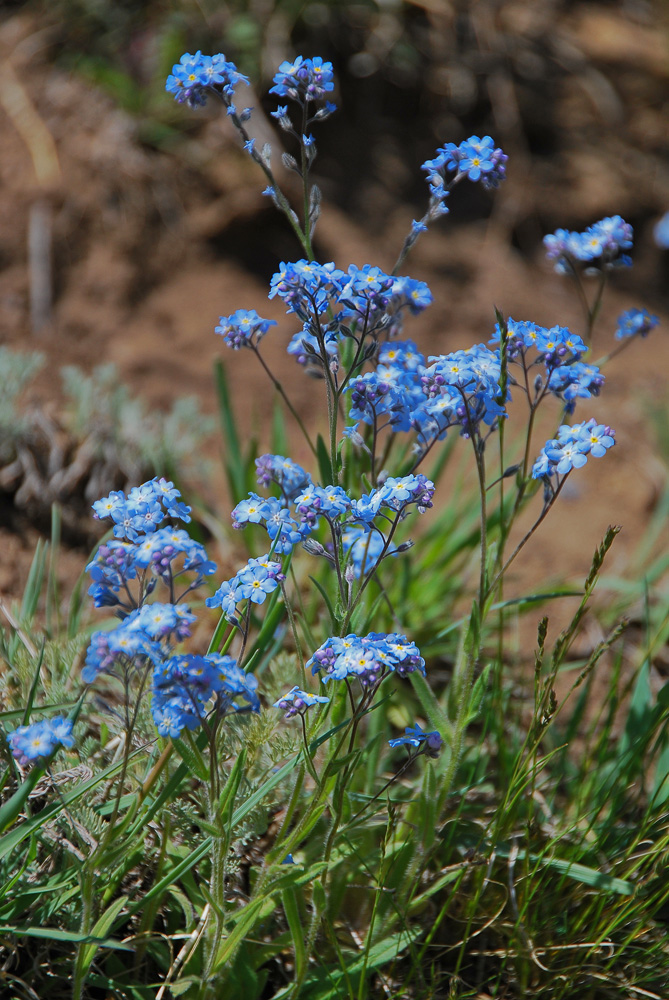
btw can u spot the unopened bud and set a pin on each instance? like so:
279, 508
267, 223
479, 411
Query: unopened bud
289, 162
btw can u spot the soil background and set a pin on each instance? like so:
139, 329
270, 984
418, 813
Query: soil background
150, 223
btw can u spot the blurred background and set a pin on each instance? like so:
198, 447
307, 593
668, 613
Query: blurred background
128, 224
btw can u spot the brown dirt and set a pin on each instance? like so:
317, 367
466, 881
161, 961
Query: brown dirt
145, 260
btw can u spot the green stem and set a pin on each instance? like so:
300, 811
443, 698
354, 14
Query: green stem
457, 742
370, 576
85, 924
279, 388
600, 362
596, 306
526, 537
305, 187
219, 856
281, 199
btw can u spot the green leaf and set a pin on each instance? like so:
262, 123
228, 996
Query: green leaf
30, 857
191, 756
219, 632
258, 909
34, 583
328, 603
227, 798
54, 934
234, 464
588, 876
477, 693
101, 927
324, 463
19, 713
293, 918
430, 705
33, 686
275, 612
254, 912
339, 763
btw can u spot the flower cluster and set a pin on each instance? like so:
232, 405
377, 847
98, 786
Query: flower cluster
304, 80
463, 387
144, 635
396, 494
635, 323
459, 389
430, 743
476, 158
274, 515
602, 245
116, 563
296, 702
570, 449
143, 510
29, 743
555, 368
361, 303
245, 328
369, 658
253, 582
287, 474
306, 286
184, 687
194, 76
556, 345
293, 517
